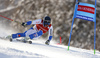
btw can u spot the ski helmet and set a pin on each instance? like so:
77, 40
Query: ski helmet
47, 20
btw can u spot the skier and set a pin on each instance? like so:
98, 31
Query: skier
41, 27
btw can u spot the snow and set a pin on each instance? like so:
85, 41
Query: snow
39, 50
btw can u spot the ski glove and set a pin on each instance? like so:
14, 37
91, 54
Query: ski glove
47, 42
24, 24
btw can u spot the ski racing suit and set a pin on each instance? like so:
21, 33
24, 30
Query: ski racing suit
35, 31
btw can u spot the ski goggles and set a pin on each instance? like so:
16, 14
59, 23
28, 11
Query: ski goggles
46, 23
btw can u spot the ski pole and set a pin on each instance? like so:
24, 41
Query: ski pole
10, 19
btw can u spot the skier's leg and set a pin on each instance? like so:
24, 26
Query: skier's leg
25, 35
18, 35
36, 34
32, 33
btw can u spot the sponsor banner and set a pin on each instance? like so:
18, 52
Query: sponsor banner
85, 11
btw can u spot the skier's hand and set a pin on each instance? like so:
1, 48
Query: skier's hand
47, 42
24, 24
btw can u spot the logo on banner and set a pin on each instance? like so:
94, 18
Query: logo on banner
86, 9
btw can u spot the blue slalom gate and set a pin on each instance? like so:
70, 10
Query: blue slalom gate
90, 15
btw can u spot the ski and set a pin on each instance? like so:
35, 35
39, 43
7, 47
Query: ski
24, 41
12, 40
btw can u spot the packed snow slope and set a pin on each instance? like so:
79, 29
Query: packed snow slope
39, 50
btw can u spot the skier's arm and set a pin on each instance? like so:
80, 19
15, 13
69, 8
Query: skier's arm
50, 35
38, 21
